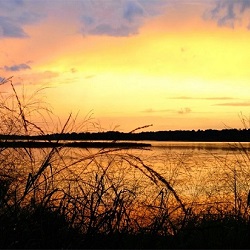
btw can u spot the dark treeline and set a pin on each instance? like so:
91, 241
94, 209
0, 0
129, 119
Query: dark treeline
227, 135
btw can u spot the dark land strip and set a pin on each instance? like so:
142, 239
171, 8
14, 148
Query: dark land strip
209, 135
40, 144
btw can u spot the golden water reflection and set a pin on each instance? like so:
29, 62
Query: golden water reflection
169, 178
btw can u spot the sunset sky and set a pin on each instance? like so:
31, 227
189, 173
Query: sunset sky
176, 64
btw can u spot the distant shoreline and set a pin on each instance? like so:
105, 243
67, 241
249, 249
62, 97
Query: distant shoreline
209, 135
46, 144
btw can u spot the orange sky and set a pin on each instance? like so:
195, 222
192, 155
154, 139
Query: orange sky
173, 64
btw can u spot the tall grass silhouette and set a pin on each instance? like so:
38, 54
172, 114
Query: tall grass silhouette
103, 198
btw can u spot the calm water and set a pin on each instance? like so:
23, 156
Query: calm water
203, 172
199, 172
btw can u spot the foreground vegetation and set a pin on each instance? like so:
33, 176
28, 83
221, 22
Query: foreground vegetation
106, 198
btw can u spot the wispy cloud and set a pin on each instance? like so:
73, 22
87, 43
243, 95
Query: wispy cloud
14, 14
17, 67
40, 77
181, 111
228, 12
132, 10
218, 98
10, 28
118, 18
150, 110
108, 29
235, 104
202, 98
